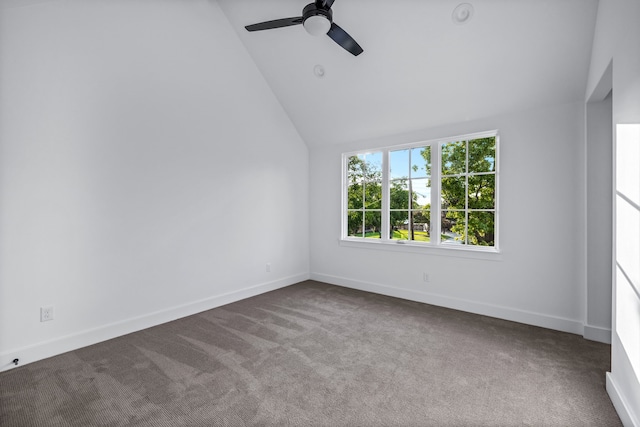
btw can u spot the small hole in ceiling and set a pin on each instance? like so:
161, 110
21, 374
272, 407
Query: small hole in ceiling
462, 13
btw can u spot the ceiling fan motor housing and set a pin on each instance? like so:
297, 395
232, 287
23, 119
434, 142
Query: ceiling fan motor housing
316, 19
313, 9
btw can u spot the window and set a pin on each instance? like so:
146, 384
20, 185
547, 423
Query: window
438, 193
410, 193
364, 191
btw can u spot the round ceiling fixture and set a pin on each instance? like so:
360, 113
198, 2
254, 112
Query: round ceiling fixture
317, 25
462, 13
316, 20
318, 70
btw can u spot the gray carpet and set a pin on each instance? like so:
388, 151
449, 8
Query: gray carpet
318, 355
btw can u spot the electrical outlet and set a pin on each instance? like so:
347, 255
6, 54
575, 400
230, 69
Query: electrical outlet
268, 267
425, 277
46, 313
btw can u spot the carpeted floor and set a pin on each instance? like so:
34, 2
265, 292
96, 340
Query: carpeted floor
318, 355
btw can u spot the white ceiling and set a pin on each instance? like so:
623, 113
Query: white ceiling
419, 69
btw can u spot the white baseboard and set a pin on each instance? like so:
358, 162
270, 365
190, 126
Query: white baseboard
620, 403
514, 315
87, 337
595, 333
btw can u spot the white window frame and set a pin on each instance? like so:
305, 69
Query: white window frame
435, 245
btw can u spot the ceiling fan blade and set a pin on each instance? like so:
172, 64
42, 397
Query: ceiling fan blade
276, 23
341, 37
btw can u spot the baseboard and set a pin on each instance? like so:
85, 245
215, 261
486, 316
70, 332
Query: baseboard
514, 315
595, 333
620, 403
87, 337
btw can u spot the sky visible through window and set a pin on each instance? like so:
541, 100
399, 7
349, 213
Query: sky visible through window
399, 168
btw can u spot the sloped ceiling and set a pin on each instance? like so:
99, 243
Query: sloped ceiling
419, 69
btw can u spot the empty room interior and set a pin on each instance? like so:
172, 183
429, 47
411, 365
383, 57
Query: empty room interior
223, 212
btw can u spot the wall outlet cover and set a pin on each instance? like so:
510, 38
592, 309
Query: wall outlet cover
46, 313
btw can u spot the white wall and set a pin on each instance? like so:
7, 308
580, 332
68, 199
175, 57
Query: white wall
599, 182
616, 43
141, 171
537, 277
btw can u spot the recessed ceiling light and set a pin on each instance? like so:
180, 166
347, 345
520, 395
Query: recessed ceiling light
318, 70
462, 13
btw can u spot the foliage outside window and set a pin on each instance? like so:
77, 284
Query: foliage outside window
392, 194
410, 193
365, 195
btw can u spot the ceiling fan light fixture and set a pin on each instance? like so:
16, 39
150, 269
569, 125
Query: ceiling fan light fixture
317, 25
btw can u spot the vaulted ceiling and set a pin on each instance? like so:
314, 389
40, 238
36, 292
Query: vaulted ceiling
419, 68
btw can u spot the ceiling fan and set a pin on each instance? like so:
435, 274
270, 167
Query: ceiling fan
317, 19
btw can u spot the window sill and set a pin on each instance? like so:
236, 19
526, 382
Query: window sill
490, 254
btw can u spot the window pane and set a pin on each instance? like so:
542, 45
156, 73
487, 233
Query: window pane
355, 197
373, 195
399, 164
421, 224
399, 221
399, 195
355, 169
420, 162
354, 223
482, 191
453, 227
454, 158
482, 155
421, 192
372, 223
373, 166
481, 228
453, 193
